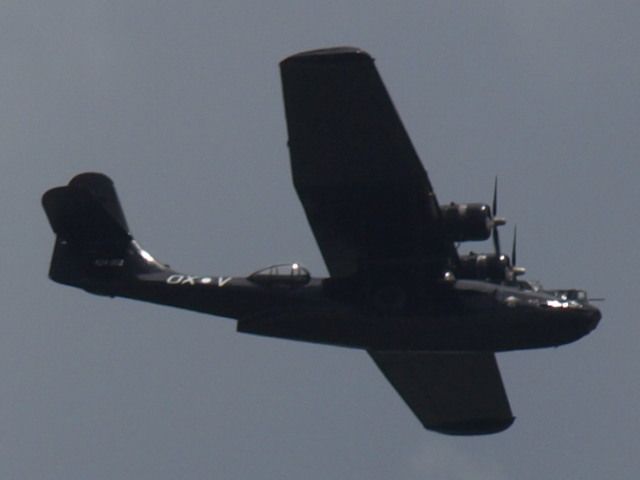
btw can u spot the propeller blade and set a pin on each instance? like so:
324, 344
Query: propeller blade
513, 248
495, 197
496, 220
514, 268
496, 239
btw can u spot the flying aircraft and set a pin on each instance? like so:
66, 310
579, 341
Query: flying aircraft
431, 318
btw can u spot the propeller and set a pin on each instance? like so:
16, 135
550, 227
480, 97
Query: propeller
512, 271
497, 221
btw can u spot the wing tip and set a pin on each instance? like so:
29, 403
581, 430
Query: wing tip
328, 55
89, 179
481, 426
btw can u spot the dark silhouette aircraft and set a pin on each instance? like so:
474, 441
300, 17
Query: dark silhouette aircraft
430, 317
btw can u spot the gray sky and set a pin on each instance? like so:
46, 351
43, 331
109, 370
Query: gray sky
180, 103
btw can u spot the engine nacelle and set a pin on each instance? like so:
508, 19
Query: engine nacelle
480, 266
467, 221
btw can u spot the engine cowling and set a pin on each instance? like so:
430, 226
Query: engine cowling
488, 266
465, 222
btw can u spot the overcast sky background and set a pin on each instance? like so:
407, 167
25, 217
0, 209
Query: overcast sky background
180, 103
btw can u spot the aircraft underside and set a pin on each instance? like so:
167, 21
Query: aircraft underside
471, 333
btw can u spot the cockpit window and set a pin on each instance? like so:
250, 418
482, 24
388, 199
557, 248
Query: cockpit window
572, 294
290, 274
579, 295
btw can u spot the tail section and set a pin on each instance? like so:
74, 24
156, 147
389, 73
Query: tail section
94, 248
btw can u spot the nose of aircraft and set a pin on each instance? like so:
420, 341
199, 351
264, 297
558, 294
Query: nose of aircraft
589, 318
593, 318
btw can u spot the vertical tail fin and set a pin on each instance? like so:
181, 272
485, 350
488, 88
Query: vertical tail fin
93, 244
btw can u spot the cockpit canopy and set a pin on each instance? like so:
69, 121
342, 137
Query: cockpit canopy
571, 294
286, 275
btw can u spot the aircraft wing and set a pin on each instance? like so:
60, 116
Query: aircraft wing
365, 193
453, 393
